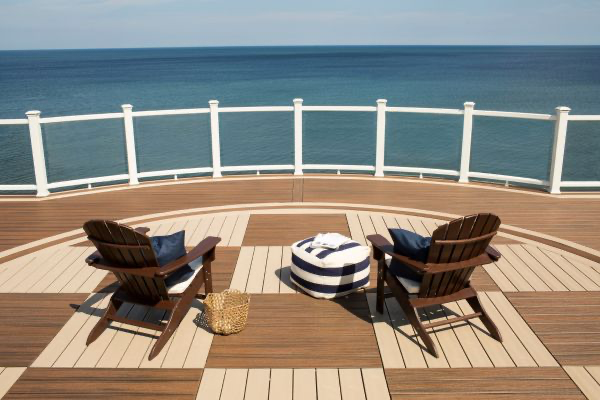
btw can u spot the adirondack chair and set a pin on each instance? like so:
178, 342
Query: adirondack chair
457, 248
128, 254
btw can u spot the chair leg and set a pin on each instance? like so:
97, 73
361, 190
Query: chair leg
485, 318
208, 277
380, 285
113, 307
413, 318
177, 315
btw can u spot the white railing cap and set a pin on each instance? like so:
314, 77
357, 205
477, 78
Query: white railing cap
470, 104
213, 102
562, 109
129, 106
382, 101
33, 113
298, 100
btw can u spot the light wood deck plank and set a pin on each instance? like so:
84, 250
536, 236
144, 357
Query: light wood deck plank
178, 225
43, 259
234, 385
493, 348
42, 284
375, 384
182, 340
68, 274
94, 352
237, 236
514, 276
565, 278
410, 345
510, 340
525, 270
216, 225
540, 269
163, 229
242, 269
535, 347
60, 342
404, 223
120, 342
281, 384
138, 348
256, 277
448, 347
257, 385
190, 228
201, 229
286, 285
469, 343
386, 338
380, 226
571, 270
356, 231
351, 384
199, 349
305, 384
272, 270
499, 278
584, 381
8, 377
77, 346
227, 229
418, 226
328, 384
211, 384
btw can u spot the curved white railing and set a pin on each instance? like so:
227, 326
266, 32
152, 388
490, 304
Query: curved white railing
553, 184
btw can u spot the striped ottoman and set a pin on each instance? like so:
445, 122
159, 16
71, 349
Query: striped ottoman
325, 273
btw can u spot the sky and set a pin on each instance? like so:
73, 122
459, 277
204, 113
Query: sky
51, 24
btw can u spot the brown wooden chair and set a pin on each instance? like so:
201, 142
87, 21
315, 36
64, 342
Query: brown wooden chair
128, 254
457, 248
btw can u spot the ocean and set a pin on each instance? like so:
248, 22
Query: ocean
508, 78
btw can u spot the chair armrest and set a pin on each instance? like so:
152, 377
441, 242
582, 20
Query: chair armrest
204, 247
381, 243
93, 258
143, 230
493, 253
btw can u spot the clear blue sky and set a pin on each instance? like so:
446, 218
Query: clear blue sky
41, 24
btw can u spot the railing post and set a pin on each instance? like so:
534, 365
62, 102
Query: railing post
130, 144
298, 136
380, 140
465, 154
37, 151
558, 149
214, 137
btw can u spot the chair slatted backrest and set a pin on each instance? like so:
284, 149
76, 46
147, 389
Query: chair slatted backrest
123, 247
479, 229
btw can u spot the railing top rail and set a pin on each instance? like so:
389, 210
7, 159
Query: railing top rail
584, 117
424, 110
20, 121
181, 111
85, 117
511, 114
255, 109
340, 108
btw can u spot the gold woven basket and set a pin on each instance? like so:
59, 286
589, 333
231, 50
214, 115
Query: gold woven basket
227, 312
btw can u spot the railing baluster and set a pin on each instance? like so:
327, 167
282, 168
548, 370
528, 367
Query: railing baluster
465, 154
130, 144
380, 140
558, 148
298, 136
214, 137
37, 151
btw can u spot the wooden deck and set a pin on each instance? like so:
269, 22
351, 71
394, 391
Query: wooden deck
544, 295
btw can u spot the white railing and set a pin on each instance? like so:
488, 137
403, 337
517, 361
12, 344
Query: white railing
464, 173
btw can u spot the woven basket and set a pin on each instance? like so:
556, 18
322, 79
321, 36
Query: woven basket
227, 312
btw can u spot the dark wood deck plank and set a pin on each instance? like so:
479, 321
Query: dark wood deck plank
568, 323
481, 383
285, 229
297, 331
29, 322
102, 384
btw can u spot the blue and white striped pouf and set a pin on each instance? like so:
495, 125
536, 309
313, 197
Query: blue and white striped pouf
325, 273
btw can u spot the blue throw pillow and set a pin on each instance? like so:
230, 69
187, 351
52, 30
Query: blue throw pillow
169, 248
411, 245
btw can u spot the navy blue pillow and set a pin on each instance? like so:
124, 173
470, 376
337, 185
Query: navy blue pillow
411, 245
169, 248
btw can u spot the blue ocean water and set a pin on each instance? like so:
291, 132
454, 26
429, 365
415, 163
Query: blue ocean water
526, 79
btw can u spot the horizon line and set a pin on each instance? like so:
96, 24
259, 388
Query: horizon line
300, 45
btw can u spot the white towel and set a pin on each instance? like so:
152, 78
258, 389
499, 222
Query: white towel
329, 240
